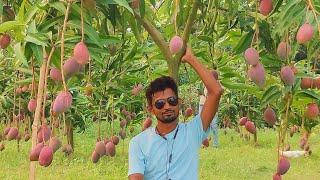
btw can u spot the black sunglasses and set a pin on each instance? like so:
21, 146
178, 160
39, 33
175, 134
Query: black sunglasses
173, 101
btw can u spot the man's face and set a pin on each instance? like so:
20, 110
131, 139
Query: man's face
165, 106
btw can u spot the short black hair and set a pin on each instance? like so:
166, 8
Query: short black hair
160, 84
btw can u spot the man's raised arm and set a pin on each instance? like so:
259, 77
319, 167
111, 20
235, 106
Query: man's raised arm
214, 88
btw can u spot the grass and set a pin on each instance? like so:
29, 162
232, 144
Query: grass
234, 159
241, 159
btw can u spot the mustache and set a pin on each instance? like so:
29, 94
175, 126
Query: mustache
167, 111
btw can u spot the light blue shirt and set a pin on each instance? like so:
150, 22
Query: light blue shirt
149, 152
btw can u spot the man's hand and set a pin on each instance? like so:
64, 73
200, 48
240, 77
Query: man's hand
188, 56
136, 176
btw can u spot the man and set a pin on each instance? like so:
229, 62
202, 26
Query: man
214, 122
171, 149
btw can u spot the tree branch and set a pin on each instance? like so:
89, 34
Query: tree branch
173, 64
187, 29
156, 36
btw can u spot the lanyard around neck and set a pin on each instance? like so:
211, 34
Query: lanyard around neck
163, 136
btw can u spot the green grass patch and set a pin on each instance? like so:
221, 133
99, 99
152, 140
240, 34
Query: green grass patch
235, 158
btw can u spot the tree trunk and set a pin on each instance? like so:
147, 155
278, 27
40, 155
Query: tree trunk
173, 68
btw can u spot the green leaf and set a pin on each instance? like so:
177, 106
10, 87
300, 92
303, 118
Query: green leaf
28, 51
109, 40
25, 81
55, 59
96, 56
287, 89
156, 57
270, 61
29, 15
269, 92
38, 52
35, 39
317, 7
244, 42
153, 2
75, 10
59, 6
238, 86
103, 77
72, 39
296, 85
277, 6
1, 5
313, 45
50, 23
125, 4
264, 34
226, 69
134, 28
309, 94
132, 53
303, 75
130, 79
139, 69
48, 35
233, 75
27, 71
20, 15
205, 38
32, 27
290, 14
203, 55
222, 60
10, 25
88, 30
271, 98
19, 54
287, 8
302, 102
116, 86
290, 18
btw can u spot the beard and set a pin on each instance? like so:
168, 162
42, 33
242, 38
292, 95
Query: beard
169, 119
